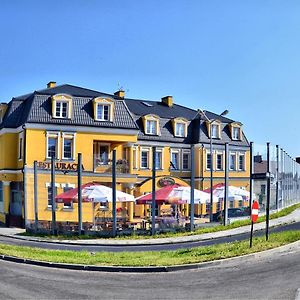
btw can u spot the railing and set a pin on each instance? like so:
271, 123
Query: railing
104, 165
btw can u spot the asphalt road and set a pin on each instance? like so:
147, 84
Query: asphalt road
266, 276
97, 248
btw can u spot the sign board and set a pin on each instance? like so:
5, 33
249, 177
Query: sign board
254, 211
62, 166
166, 181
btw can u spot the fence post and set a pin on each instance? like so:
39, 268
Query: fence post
79, 192
153, 204
114, 194
277, 177
192, 210
226, 185
53, 208
35, 196
268, 191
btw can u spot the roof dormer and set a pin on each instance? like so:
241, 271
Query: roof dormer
61, 106
214, 129
180, 127
236, 131
151, 124
103, 109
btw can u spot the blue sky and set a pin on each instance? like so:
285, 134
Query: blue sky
237, 55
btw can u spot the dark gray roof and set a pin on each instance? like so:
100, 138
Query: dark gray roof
140, 108
160, 109
36, 108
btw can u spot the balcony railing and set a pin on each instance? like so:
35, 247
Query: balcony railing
104, 165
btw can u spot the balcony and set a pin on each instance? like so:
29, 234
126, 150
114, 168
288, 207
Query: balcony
102, 164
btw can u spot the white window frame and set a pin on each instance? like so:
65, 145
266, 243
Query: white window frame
174, 151
147, 150
160, 150
69, 186
238, 129
217, 126
235, 165
155, 126
60, 104
189, 160
244, 162
102, 104
55, 135
206, 161
222, 161
48, 184
68, 136
177, 131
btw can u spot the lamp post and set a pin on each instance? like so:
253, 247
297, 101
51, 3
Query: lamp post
210, 121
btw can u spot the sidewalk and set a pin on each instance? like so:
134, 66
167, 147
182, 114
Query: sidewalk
291, 218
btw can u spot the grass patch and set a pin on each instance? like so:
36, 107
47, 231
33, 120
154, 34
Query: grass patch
220, 227
153, 258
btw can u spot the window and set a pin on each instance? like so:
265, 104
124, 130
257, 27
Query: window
103, 155
215, 131
68, 148
50, 195
231, 204
180, 129
158, 160
219, 161
232, 161
52, 147
174, 160
236, 133
68, 204
263, 189
145, 159
241, 162
185, 160
20, 148
103, 112
151, 127
208, 161
240, 203
61, 109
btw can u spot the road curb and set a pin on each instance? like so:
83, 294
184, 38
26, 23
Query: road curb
158, 241
151, 269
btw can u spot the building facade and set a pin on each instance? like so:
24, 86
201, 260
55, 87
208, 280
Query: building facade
65, 120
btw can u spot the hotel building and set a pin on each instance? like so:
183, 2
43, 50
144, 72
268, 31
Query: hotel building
64, 120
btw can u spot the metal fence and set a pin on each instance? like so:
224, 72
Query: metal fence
283, 172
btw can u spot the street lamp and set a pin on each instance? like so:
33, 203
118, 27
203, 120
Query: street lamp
210, 121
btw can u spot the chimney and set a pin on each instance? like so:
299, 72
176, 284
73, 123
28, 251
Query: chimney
120, 94
168, 100
51, 84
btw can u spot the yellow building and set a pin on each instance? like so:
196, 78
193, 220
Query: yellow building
65, 120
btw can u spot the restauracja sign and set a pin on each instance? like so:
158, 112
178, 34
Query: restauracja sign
58, 166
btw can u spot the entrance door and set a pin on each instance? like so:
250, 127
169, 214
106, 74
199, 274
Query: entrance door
15, 209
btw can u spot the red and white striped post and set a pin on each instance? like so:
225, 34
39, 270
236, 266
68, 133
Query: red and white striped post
254, 217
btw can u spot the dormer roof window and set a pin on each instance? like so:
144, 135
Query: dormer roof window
103, 109
180, 127
151, 124
61, 106
214, 129
236, 131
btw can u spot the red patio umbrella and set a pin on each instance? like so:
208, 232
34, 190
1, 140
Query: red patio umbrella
161, 196
72, 195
